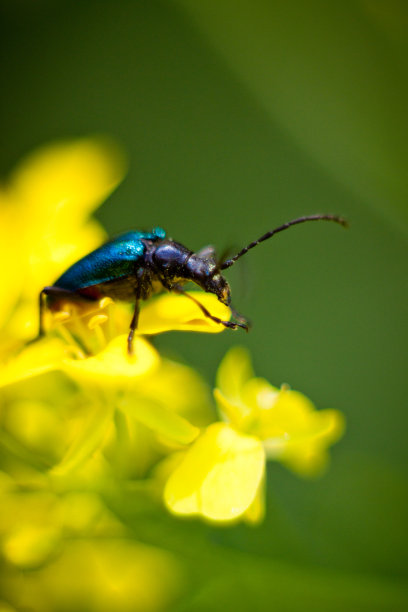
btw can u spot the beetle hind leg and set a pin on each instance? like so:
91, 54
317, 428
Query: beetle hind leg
133, 327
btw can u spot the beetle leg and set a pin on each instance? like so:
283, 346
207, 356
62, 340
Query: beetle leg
229, 324
43, 299
133, 327
168, 286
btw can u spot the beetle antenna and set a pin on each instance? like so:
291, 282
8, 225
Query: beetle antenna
229, 262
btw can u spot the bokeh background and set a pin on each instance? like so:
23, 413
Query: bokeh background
236, 117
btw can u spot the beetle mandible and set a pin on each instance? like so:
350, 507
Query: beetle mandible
127, 267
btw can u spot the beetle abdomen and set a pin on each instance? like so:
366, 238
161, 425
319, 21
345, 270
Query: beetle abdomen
124, 289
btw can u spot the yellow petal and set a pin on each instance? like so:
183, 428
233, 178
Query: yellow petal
288, 413
80, 511
64, 182
235, 412
35, 359
113, 366
234, 371
260, 395
176, 384
297, 434
177, 312
88, 439
30, 545
159, 418
10, 255
36, 425
307, 454
22, 325
256, 511
218, 477
103, 574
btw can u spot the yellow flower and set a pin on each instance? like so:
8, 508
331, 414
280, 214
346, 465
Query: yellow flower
60, 550
291, 429
138, 386
132, 410
45, 223
88, 432
82, 422
220, 476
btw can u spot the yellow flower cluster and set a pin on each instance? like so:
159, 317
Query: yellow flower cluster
81, 420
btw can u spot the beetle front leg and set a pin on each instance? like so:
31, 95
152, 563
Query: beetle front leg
207, 313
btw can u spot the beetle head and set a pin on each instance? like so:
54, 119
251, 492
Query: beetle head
205, 274
218, 285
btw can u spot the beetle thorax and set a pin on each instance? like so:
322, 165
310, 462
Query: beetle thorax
168, 261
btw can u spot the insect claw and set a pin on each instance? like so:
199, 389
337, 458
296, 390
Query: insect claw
243, 326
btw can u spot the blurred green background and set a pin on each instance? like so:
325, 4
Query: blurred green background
238, 116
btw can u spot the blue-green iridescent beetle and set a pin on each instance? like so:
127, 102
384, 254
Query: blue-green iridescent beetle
129, 267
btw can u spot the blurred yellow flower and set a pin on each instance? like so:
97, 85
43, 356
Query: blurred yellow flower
54, 191
45, 223
84, 425
287, 422
78, 555
79, 418
221, 474
137, 386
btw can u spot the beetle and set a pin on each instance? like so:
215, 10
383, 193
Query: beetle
132, 266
